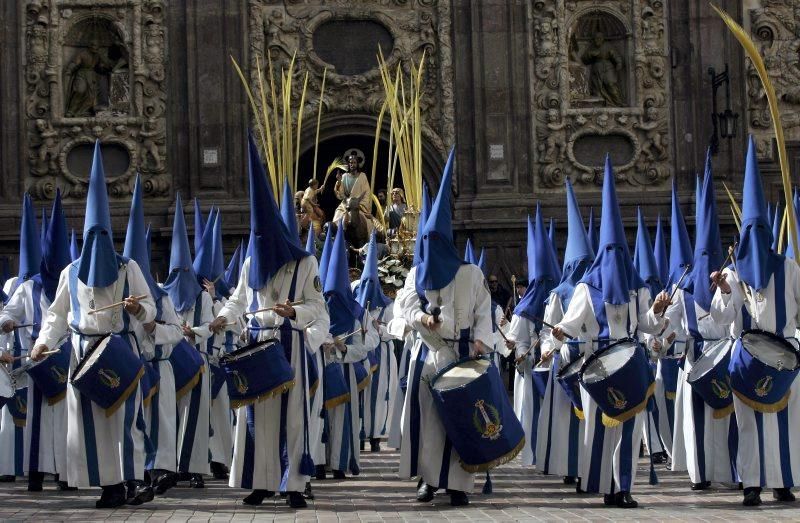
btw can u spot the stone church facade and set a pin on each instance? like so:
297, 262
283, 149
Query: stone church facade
533, 92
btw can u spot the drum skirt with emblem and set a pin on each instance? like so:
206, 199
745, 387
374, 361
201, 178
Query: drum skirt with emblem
710, 379
149, 382
619, 379
187, 366
334, 387
108, 373
362, 374
256, 372
476, 413
567, 377
763, 367
18, 406
51, 374
218, 380
540, 376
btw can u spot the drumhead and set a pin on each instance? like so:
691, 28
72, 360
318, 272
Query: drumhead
461, 374
711, 356
609, 361
6, 383
571, 368
89, 359
769, 350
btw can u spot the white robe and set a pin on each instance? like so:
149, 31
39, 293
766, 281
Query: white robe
399, 329
465, 303
221, 441
779, 452
526, 398
12, 434
380, 395
45, 424
610, 453
257, 454
316, 422
101, 450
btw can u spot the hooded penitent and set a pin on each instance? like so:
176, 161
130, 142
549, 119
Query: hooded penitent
680, 248
98, 265
181, 283
218, 258
660, 252
482, 263
578, 255
543, 279
776, 226
423, 217
755, 261
74, 251
369, 292
136, 247
204, 255
644, 260
55, 251
469, 252
592, 231
199, 225
325, 256
30, 245
612, 272
287, 213
311, 242
530, 248
789, 252
440, 259
232, 271
272, 245
343, 308
43, 230
551, 234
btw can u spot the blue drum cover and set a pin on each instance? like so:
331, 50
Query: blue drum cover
113, 377
540, 379
51, 374
714, 386
18, 406
149, 382
479, 419
669, 376
372, 358
187, 366
362, 374
218, 379
258, 375
762, 387
567, 377
334, 387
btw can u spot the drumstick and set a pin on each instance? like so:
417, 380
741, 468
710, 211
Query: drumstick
45, 353
724, 263
118, 304
536, 318
519, 360
23, 326
677, 286
272, 308
345, 336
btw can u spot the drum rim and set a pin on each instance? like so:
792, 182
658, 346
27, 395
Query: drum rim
596, 354
774, 336
456, 363
86, 356
562, 372
704, 355
240, 352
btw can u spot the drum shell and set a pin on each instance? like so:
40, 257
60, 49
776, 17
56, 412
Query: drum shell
714, 385
540, 379
479, 449
751, 379
334, 387
569, 380
18, 406
624, 393
372, 359
362, 374
187, 365
149, 382
669, 376
219, 379
51, 374
258, 375
114, 376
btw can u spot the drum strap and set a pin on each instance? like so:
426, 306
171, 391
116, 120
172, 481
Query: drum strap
691, 321
158, 349
599, 306
37, 307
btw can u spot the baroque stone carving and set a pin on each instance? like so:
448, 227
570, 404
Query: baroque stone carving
95, 70
416, 26
598, 71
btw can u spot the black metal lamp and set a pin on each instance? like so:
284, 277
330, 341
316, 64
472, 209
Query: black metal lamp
725, 122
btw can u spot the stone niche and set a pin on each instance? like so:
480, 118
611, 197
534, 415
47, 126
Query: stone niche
95, 70
600, 81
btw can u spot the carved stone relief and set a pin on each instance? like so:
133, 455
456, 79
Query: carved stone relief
775, 31
416, 26
598, 71
95, 70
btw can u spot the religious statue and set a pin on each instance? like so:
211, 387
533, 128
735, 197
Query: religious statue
395, 211
604, 67
553, 148
311, 214
654, 147
355, 209
88, 80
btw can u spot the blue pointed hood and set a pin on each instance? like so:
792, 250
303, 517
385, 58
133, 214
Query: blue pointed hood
708, 254
231, 277
755, 260
273, 246
680, 248
98, 265
55, 252
440, 260
148, 238
578, 255
469, 252
423, 217
311, 242
789, 252
74, 251
43, 229
287, 213
530, 248
325, 256
544, 278
660, 252
218, 258
551, 234
204, 256
592, 232
369, 291
343, 308
645, 260
482, 263
777, 217
612, 272
181, 283
771, 218
199, 226
136, 247
30, 245
698, 194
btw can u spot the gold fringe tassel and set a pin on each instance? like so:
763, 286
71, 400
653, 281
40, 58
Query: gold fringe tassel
58, 397
19, 422
578, 413
335, 402
483, 467
150, 395
669, 395
126, 394
313, 388
277, 391
192, 383
721, 413
613, 421
364, 383
767, 408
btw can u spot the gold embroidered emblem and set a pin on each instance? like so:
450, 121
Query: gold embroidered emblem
616, 398
486, 419
109, 378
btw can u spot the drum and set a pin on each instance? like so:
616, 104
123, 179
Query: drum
187, 366
540, 376
334, 387
372, 359
18, 406
710, 379
362, 374
256, 372
763, 367
313, 373
51, 374
619, 380
7, 386
669, 376
476, 413
567, 377
108, 373
149, 383
218, 379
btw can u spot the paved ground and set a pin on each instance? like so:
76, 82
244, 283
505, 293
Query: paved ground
377, 495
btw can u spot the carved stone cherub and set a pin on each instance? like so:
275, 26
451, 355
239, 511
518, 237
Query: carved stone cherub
46, 158
653, 147
152, 133
553, 148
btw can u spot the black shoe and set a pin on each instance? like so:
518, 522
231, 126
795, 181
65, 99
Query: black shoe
164, 482
63, 486
112, 497
183, 476
609, 500
624, 500
659, 458
308, 493
296, 500
319, 473
578, 489
361, 445
783, 494
458, 498
219, 470
705, 485
752, 497
569, 480
7, 478
425, 493
35, 480
130, 490
196, 481
257, 497
374, 445
338, 474
144, 494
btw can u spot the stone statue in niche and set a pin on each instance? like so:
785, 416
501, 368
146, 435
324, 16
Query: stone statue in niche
578, 82
546, 36
604, 66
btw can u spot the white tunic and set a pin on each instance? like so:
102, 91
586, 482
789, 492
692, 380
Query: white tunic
379, 397
12, 434
221, 442
526, 398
